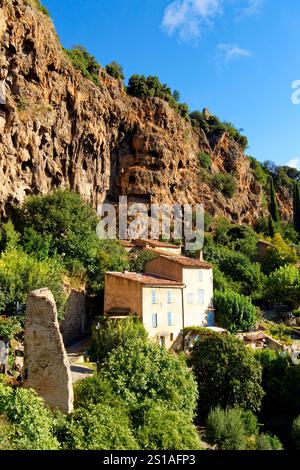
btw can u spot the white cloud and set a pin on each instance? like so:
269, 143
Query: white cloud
191, 17
253, 7
231, 52
295, 163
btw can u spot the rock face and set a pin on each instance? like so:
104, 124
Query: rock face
47, 369
58, 129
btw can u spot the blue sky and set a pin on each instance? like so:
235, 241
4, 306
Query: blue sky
239, 58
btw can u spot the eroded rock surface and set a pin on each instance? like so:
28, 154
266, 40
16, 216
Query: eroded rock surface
58, 129
47, 369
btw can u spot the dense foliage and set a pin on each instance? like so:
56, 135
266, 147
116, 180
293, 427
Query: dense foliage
212, 125
61, 224
234, 311
143, 371
32, 423
115, 70
147, 87
83, 61
227, 374
113, 334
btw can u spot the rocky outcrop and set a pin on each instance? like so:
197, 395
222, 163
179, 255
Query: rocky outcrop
58, 129
47, 369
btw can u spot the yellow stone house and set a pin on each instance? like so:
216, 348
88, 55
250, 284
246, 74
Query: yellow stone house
175, 292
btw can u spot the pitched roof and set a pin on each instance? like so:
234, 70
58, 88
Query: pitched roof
148, 279
183, 260
154, 243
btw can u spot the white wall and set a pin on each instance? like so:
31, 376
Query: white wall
196, 313
161, 308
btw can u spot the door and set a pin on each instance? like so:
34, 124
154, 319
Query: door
211, 319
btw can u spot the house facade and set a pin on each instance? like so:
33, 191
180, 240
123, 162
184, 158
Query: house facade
175, 292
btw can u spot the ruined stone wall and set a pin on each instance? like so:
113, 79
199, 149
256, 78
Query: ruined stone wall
73, 326
47, 369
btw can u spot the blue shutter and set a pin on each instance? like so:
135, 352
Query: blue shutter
154, 320
153, 296
201, 297
170, 319
169, 296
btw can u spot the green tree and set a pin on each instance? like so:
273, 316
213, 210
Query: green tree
227, 373
234, 311
93, 391
115, 70
143, 371
85, 62
283, 286
9, 327
113, 334
274, 211
99, 427
20, 274
33, 422
165, 429
138, 261
68, 225
278, 254
296, 207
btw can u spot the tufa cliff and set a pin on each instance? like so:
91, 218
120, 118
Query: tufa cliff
58, 129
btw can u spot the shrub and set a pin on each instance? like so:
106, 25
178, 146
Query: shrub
212, 126
33, 421
99, 427
84, 62
115, 70
296, 432
143, 371
9, 327
224, 183
146, 87
268, 442
225, 429
113, 334
93, 391
165, 429
227, 374
234, 311
204, 160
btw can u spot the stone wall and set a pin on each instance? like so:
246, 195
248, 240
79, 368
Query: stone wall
73, 326
47, 369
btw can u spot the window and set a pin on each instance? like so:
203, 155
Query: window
170, 319
171, 336
153, 296
201, 297
190, 298
162, 341
169, 296
154, 320
200, 275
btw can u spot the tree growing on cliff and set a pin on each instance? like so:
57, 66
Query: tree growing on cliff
115, 70
296, 207
273, 207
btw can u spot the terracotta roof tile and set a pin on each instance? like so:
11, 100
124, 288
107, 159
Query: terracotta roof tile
147, 279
